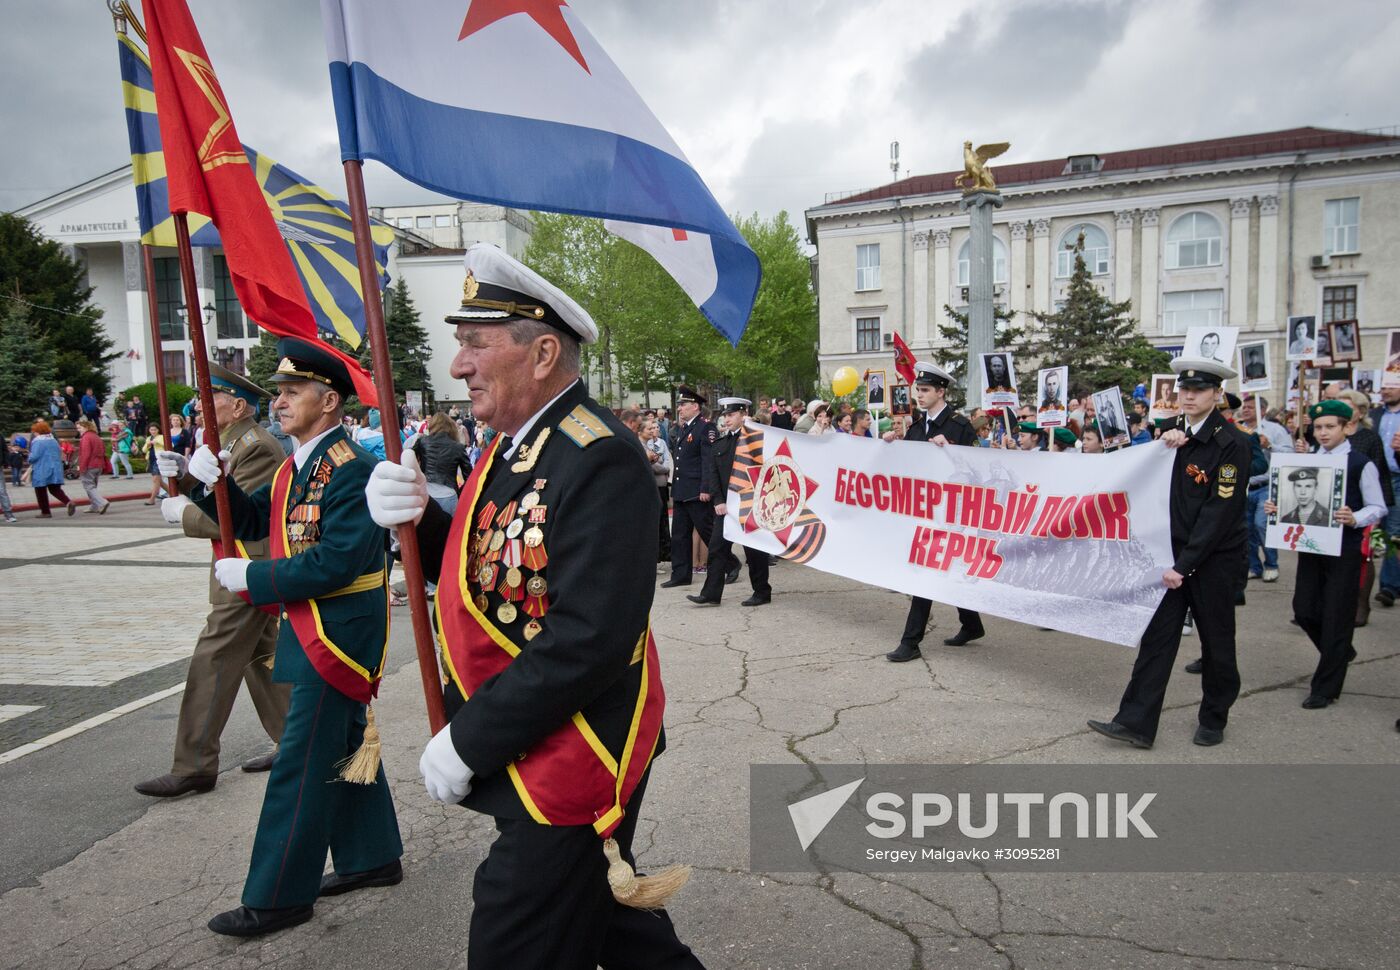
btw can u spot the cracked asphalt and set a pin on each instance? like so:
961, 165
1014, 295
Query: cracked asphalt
96, 877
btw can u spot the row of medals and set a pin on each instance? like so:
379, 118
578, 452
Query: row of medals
304, 525
508, 542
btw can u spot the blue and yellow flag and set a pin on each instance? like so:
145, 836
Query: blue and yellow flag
315, 225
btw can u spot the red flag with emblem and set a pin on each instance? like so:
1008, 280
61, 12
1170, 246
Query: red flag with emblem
207, 171
903, 359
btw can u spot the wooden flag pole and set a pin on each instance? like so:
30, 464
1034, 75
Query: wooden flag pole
172, 486
195, 320
393, 446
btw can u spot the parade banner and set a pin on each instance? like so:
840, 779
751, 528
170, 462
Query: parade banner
1073, 542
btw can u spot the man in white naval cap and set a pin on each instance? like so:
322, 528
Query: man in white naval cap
545, 581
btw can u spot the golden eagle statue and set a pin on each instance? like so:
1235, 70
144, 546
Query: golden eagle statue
976, 176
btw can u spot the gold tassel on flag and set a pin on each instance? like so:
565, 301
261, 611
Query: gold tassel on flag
641, 892
362, 768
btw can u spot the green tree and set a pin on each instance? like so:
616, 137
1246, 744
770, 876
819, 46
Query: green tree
38, 272
262, 361
952, 356
408, 344
1094, 336
176, 397
28, 373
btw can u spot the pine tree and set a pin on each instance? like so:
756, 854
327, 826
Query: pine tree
408, 344
262, 361
952, 356
1094, 336
29, 372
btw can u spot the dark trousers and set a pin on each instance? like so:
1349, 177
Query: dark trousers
1324, 601
540, 901
663, 551
687, 516
917, 621
42, 493
722, 559
309, 808
1209, 593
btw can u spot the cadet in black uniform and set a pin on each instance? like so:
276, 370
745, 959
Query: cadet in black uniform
691, 506
716, 484
1209, 475
936, 422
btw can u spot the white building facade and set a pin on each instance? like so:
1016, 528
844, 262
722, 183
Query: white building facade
1241, 232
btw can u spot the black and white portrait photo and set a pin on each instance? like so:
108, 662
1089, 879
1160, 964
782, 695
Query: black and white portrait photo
899, 399
1211, 343
1111, 418
1346, 342
998, 380
1307, 490
1254, 366
1302, 338
875, 389
1051, 385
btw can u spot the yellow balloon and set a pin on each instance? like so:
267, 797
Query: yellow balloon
844, 381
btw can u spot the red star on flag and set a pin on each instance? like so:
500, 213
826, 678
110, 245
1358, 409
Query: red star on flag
547, 13
751, 523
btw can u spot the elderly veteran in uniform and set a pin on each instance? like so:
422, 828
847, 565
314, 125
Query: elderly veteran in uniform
938, 423
553, 693
237, 642
329, 571
716, 483
1207, 503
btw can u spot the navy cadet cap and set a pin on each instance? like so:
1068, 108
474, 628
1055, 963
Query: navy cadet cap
731, 404
931, 374
1199, 373
310, 360
499, 288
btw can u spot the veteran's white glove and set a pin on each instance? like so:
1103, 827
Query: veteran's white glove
445, 775
205, 467
232, 574
173, 508
170, 464
396, 493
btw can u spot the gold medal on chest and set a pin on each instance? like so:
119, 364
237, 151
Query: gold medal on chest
532, 630
513, 577
480, 602
506, 613
498, 539
534, 536
530, 501
536, 586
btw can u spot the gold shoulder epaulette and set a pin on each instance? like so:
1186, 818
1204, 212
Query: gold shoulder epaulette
250, 438
583, 427
340, 453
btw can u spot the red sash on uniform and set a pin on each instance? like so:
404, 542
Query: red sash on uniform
335, 666
241, 552
569, 777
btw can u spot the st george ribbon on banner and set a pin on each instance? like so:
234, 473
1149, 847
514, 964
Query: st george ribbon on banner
1077, 543
513, 102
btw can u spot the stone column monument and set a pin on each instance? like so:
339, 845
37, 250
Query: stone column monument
980, 197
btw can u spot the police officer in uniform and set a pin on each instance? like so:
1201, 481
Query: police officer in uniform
692, 507
938, 423
329, 571
546, 575
237, 642
1209, 473
735, 410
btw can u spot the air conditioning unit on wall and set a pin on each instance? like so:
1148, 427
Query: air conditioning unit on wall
888, 339
1321, 262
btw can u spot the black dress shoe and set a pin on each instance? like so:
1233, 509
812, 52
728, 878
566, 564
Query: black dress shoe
671, 583
732, 576
702, 600
246, 921
756, 600
1316, 702
1208, 737
1116, 731
1386, 598
965, 636
260, 763
172, 786
389, 874
904, 654
1195, 667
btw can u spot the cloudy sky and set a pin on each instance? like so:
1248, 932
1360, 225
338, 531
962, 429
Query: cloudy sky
776, 102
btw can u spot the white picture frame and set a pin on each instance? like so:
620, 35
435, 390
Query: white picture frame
1306, 490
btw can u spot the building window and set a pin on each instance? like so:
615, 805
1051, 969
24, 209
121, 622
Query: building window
1192, 241
442, 222
425, 222
1338, 303
169, 299
174, 361
235, 360
227, 312
998, 262
1191, 308
406, 222
1095, 250
1341, 226
867, 334
868, 267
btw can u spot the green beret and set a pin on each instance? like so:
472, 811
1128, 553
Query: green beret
1066, 437
1338, 409
1029, 427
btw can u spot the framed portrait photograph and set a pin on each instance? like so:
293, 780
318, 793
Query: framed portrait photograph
1253, 367
1302, 339
1306, 490
899, 400
1311, 378
1110, 416
999, 380
1163, 399
1323, 356
1391, 376
1051, 390
1346, 341
1211, 343
875, 389
1367, 380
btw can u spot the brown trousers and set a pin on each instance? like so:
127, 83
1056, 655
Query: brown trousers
233, 649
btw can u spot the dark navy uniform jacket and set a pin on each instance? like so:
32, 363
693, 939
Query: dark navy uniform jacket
692, 453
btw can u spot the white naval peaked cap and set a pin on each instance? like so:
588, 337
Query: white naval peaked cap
735, 403
1201, 370
499, 287
928, 373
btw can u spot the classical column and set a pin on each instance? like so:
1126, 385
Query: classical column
981, 311
921, 295
1266, 311
1123, 255
1151, 282
1239, 263
138, 328
941, 277
1018, 266
1044, 270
